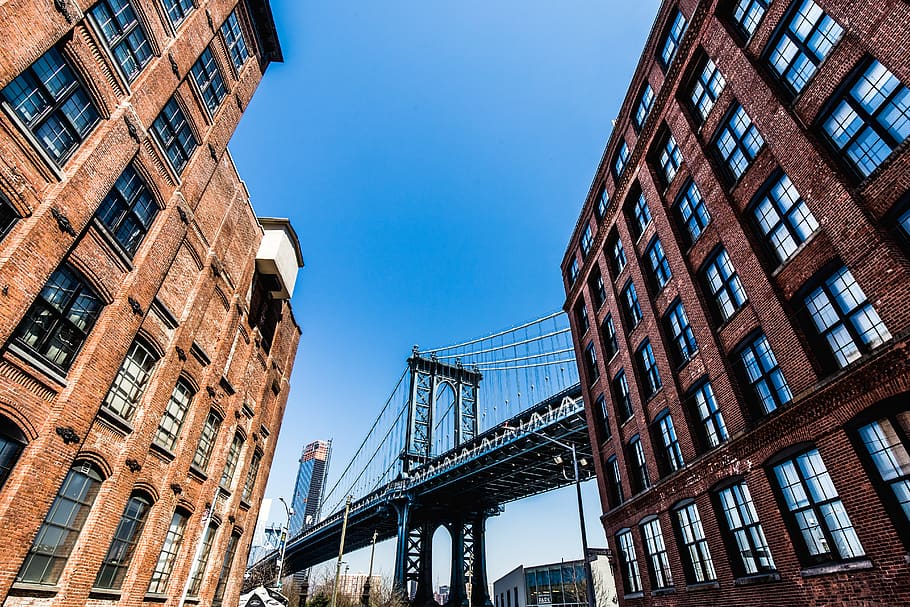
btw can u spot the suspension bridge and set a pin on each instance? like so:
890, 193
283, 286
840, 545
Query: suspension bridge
467, 428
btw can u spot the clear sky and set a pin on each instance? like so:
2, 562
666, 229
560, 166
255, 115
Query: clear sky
433, 158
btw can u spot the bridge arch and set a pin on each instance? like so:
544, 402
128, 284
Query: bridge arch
444, 417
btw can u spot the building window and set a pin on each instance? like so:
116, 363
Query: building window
600, 406
207, 441
177, 10
199, 572
8, 216
639, 469
591, 363
712, 428
659, 266
617, 255
845, 319
11, 444
747, 14
818, 516
723, 283
871, 119
60, 319
251, 477
706, 89
672, 452
175, 135
738, 142
167, 558
673, 38
682, 337
647, 368
573, 271
598, 290
126, 391
58, 533
128, 210
581, 317
608, 332
226, 563
603, 201
904, 222
631, 576
208, 78
233, 37
696, 556
53, 105
803, 44
623, 396
622, 157
230, 464
692, 211
640, 215
661, 577
630, 305
747, 538
669, 159
174, 415
783, 217
614, 486
124, 35
120, 554
887, 443
645, 101
764, 375
587, 239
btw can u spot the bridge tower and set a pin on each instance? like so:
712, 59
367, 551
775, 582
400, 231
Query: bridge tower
439, 389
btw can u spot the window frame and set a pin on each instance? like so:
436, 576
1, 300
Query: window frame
208, 89
174, 131
603, 415
685, 346
706, 415
615, 495
622, 396
684, 201
706, 79
643, 105
122, 38
608, 335
787, 219
664, 431
745, 538
725, 130
120, 554
233, 43
185, 12
621, 159
742, 30
12, 444
730, 285
170, 550
638, 213
118, 208
652, 537
631, 306
659, 270
646, 364
756, 398
694, 551
189, 390
628, 562
202, 456
9, 216
616, 254
590, 359
639, 477
670, 36
597, 288
124, 403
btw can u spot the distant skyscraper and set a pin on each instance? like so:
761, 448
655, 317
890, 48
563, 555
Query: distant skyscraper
314, 464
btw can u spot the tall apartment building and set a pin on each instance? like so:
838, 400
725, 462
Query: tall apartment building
739, 288
146, 337
311, 475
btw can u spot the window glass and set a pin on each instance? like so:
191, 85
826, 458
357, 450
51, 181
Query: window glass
123, 546
125, 393
631, 575
603, 201
207, 441
745, 530
645, 101
714, 430
581, 317
670, 159
233, 37
124, 35
871, 119
692, 211
230, 465
764, 375
617, 255
8, 216
695, 552
251, 477
784, 218
748, 14
886, 442
208, 78
199, 571
128, 210
738, 142
598, 290
622, 396
573, 271
226, 563
591, 363
673, 38
175, 135
174, 415
659, 266
845, 319
682, 337
818, 514
177, 10
647, 366
622, 157
724, 285
641, 215
168, 555
803, 44
615, 482
707, 89
661, 576
640, 476
608, 331
587, 239
53, 105
673, 456
630, 305
600, 406
60, 319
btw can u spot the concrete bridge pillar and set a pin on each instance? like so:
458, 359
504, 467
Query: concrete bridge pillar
479, 594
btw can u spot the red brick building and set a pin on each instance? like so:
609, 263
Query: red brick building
147, 337
739, 288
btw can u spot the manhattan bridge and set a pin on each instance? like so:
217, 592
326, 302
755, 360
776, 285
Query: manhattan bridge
467, 428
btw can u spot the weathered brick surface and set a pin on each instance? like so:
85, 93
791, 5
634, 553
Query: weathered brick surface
857, 229
191, 278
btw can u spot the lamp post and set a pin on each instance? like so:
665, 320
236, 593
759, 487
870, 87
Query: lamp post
284, 539
589, 578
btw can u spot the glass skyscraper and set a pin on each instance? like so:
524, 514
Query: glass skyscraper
314, 465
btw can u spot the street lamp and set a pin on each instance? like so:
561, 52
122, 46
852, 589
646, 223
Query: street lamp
284, 539
589, 579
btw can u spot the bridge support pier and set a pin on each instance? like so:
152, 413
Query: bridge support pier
458, 596
421, 550
480, 596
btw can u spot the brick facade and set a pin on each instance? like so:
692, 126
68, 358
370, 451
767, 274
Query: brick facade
189, 291
858, 210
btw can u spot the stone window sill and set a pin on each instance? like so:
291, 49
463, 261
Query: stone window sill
163, 452
105, 593
663, 591
120, 424
836, 568
634, 595
715, 585
35, 588
155, 597
758, 578
199, 474
36, 361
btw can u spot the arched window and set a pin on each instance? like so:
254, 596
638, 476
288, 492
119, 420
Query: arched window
172, 419
167, 558
120, 553
132, 378
58, 533
11, 444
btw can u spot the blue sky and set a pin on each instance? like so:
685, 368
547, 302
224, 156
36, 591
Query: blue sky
433, 158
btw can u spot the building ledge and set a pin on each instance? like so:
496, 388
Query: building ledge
837, 568
116, 422
30, 588
715, 585
634, 595
105, 593
758, 578
663, 591
162, 452
155, 597
197, 473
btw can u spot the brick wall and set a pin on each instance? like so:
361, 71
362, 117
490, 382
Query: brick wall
857, 229
185, 292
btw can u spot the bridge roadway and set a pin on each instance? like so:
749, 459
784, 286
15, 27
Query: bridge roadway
506, 463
